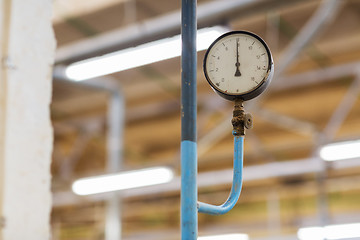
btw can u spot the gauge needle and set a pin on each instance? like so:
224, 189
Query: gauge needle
237, 64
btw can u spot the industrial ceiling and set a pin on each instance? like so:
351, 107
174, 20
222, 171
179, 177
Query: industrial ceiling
313, 100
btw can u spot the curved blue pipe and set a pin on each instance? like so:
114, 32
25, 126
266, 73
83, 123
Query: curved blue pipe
236, 186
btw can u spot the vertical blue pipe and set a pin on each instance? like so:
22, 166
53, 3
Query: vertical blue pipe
189, 217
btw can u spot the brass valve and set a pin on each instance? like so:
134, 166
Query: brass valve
240, 120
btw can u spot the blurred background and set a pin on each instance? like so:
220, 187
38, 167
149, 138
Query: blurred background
128, 118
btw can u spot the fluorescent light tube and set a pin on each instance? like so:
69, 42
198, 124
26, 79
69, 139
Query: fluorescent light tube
311, 233
234, 236
122, 181
138, 56
331, 232
340, 150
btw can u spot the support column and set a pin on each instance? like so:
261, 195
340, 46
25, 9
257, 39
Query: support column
27, 50
116, 121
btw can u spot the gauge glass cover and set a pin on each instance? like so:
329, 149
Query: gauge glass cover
238, 65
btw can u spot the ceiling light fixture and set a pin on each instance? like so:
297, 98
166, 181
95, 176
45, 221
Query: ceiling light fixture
234, 236
138, 56
331, 232
122, 181
340, 150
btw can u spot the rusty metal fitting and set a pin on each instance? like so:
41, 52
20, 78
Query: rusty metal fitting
240, 120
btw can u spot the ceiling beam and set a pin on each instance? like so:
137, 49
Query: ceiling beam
208, 14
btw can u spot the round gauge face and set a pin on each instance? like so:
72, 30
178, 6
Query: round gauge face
238, 65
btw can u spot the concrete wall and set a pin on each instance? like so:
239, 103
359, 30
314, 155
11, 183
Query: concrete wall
27, 49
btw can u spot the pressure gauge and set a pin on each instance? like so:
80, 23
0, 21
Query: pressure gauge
238, 65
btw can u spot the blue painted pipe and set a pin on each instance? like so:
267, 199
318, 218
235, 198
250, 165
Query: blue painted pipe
189, 214
189, 205
237, 183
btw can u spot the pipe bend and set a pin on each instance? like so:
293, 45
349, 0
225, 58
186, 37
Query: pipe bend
236, 185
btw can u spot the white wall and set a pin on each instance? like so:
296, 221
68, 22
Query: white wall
27, 49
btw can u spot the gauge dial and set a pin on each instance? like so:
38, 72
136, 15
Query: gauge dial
238, 65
